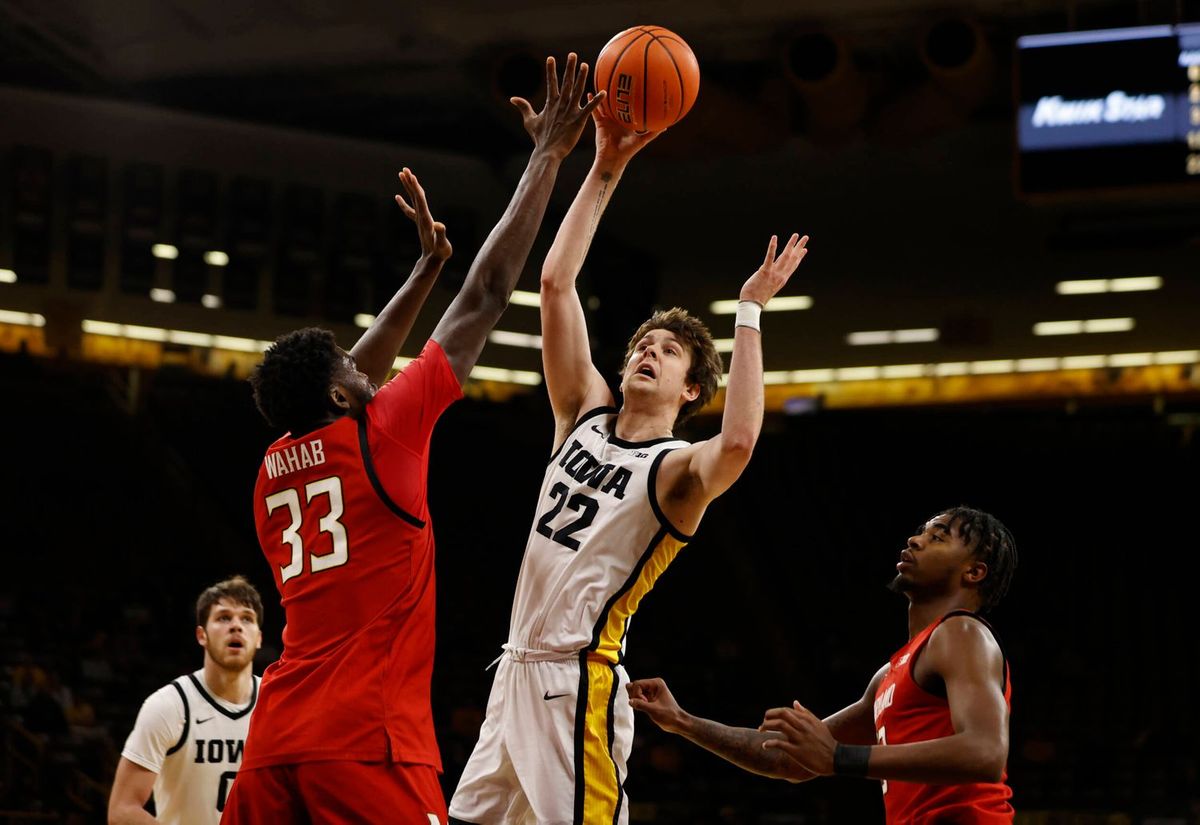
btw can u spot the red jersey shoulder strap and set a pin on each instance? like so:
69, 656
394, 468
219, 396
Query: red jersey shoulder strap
927, 633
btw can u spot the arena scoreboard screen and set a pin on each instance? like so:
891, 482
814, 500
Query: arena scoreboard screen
1109, 109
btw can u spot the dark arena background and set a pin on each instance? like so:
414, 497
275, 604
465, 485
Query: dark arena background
995, 313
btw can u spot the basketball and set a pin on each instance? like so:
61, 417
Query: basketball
651, 76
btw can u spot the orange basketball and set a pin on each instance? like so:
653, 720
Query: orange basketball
651, 76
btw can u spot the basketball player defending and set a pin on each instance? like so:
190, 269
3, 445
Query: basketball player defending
933, 722
621, 497
344, 730
187, 743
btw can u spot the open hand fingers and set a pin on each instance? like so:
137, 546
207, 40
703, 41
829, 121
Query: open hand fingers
570, 78
524, 107
592, 107
770, 256
580, 88
415, 191
551, 80
408, 211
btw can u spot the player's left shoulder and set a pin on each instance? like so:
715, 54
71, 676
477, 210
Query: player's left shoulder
962, 640
964, 628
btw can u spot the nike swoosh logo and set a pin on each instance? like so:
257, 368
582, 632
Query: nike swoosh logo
202, 721
597, 431
550, 695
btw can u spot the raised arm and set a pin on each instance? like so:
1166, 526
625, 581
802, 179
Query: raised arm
969, 661
555, 130
692, 477
573, 382
378, 347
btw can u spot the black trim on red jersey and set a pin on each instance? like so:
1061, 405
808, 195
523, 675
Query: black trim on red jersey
187, 719
652, 487
587, 416
232, 714
580, 732
912, 659
369, 465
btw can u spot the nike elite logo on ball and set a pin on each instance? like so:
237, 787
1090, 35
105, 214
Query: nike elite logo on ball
550, 695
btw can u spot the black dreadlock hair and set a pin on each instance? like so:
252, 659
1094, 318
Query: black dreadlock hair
991, 543
291, 385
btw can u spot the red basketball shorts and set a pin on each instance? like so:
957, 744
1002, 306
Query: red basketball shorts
336, 793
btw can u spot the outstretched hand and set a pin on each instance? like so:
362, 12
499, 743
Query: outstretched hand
613, 141
804, 737
653, 698
775, 270
434, 243
556, 129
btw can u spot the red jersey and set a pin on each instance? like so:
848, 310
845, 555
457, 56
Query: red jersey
342, 518
905, 712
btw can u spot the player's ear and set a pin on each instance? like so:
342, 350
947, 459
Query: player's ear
691, 392
338, 397
201, 636
976, 573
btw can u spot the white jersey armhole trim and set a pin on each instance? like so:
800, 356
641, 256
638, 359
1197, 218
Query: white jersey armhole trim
587, 416
652, 492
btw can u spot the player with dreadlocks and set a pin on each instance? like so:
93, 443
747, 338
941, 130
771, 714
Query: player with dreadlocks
933, 723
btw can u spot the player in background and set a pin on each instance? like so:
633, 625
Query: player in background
933, 722
344, 730
187, 743
620, 498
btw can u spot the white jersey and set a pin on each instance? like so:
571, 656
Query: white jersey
598, 544
193, 740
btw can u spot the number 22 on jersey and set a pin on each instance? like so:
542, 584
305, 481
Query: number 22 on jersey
329, 489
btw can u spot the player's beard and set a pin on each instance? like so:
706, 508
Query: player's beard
901, 584
227, 659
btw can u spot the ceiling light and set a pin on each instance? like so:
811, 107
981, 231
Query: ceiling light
1089, 287
215, 257
525, 299
1108, 325
165, 251
24, 319
784, 304
515, 339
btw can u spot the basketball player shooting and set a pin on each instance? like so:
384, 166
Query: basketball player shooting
344, 730
620, 498
933, 722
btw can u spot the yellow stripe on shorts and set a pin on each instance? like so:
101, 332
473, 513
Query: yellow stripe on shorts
600, 787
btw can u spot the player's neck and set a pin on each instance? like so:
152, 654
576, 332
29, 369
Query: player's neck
923, 613
634, 424
234, 686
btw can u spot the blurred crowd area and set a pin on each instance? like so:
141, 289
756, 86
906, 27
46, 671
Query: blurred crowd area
126, 493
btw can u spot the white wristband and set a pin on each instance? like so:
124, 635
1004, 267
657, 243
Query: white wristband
748, 313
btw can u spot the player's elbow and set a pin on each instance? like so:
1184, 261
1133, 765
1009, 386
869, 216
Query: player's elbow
121, 812
737, 447
989, 762
488, 294
551, 282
